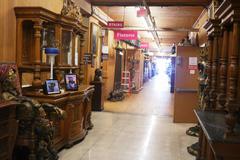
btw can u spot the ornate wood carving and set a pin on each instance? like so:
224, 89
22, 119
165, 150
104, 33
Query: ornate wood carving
209, 74
70, 9
221, 99
229, 13
37, 60
232, 104
213, 29
80, 61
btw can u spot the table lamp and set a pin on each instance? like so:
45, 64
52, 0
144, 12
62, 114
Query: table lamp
51, 52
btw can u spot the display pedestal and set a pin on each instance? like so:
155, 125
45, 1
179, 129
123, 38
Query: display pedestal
98, 96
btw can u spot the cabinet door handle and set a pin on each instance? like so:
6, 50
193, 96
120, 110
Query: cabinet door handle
186, 90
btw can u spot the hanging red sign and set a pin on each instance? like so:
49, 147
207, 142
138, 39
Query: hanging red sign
125, 35
115, 24
144, 45
142, 12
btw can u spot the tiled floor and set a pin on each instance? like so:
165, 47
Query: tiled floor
154, 99
143, 130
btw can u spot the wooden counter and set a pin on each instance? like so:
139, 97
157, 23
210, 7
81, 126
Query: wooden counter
77, 105
213, 143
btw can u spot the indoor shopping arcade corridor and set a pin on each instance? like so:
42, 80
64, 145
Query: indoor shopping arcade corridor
138, 128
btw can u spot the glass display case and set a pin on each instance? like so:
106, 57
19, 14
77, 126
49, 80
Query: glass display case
66, 48
47, 40
38, 29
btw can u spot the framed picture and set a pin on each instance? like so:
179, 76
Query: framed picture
94, 38
51, 86
71, 82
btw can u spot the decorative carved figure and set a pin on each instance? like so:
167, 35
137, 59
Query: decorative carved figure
35, 119
70, 9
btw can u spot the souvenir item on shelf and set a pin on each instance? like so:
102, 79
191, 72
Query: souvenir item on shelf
51, 86
71, 82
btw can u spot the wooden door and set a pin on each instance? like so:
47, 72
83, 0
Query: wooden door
186, 84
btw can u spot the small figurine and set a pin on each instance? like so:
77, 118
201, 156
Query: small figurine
98, 75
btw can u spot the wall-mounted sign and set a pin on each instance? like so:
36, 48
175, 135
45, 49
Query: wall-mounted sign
193, 63
142, 12
144, 45
115, 24
125, 35
104, 49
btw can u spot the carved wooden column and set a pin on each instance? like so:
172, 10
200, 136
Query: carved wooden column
214, 79
221, 99
37, 57
215, 31
232, 104
80, 59
209, 73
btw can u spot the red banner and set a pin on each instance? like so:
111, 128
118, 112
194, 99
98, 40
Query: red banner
115, 24
125, 35
142, 12
144, 45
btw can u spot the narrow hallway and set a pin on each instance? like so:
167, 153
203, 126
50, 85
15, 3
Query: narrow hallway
140, 129
154, 99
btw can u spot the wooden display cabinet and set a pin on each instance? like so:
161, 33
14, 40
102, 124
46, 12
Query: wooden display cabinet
37, 29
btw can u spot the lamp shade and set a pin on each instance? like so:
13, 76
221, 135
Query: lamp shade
51, 51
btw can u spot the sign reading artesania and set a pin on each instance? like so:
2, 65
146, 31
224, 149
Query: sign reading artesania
125, 35
115, 24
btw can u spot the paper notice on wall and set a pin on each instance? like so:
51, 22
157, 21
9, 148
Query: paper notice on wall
192, 71
104, 49
192, 61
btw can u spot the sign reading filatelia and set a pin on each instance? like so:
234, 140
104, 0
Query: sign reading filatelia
115, 24
125, 35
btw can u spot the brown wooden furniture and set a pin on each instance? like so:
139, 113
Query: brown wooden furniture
8, 129
37, 29
212, 140
220, 126
77, 105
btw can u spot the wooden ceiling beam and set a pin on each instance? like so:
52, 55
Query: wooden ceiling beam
203, 3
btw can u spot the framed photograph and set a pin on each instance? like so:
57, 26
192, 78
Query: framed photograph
71, 82
94, 38
51, 86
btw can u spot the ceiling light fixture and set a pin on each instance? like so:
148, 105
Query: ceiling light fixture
151, 24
